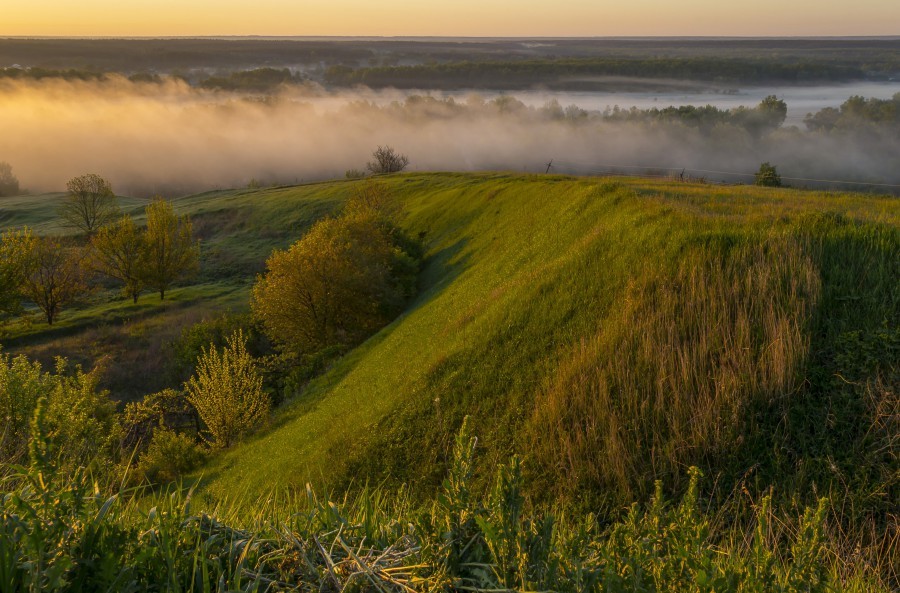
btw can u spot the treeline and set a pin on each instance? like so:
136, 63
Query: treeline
577, 73
256, 80
857, 111
765, 117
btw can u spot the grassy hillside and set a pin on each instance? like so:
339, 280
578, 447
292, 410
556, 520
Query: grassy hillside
616, 331
613, 331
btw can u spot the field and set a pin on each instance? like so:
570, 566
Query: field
612, 331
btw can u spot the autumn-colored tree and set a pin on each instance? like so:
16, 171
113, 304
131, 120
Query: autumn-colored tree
55, 276
120, 252
91, 203
335, 286
16, 248
171, 251
227, 391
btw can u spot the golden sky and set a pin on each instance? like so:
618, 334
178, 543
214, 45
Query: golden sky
457, 18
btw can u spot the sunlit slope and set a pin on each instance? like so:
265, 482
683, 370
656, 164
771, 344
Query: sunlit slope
614, 332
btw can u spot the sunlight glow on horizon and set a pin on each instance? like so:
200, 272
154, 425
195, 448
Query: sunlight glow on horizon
463, 18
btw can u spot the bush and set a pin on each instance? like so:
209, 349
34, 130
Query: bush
767, 176
188, 348
80, 421
227, 391
169, 456
387, 160
344, 280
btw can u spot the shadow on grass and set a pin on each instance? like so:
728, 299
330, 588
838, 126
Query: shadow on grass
439, 270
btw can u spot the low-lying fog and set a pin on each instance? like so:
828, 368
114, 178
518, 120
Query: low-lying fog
172, 138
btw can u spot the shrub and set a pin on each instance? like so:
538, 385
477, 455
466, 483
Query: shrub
767, 176
387, 160
346, 278
169, 456
214, 331
227, 391
80, 420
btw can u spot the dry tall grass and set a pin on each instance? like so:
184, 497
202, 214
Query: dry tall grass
666, 380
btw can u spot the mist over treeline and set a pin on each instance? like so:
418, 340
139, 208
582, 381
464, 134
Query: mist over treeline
168, 137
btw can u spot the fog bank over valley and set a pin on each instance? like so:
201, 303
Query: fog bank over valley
172, 138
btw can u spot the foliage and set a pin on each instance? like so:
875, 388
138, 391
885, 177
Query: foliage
347, 277
857, 113
386, 160
354, 174
767, 176
168, 457
171, 250
79, 420
767, 116
57, 533
21, 385
55, 276
9, 184
90, 204
210, 332
227, 391
16, 249
119, 251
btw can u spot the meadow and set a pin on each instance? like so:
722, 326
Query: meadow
614, 332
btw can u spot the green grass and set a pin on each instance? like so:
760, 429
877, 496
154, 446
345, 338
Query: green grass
62, 532
534, 285
614, 330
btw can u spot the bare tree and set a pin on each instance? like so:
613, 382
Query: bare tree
387, 160
91, 203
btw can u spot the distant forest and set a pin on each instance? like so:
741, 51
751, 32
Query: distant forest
574, 64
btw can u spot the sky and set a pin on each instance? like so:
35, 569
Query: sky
500, 18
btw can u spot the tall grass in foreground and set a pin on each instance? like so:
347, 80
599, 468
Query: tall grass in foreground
61, 533
669, 377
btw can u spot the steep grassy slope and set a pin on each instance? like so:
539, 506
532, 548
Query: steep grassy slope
616, 332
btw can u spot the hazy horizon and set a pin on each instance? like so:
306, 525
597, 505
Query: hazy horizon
464, 18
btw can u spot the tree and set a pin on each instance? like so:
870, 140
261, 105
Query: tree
768, 176
764, 118
16, 248
9, 185
91, 203
120, 252
344, 279
227, 391
171, 251
54, 277
387, 160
